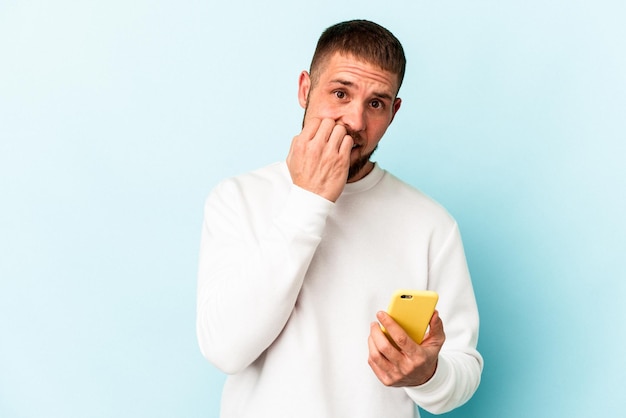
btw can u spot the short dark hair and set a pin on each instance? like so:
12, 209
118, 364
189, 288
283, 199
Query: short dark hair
364, 40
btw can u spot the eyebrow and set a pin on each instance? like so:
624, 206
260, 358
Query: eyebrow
347, 83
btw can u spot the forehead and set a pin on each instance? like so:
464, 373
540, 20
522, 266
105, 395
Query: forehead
345, 66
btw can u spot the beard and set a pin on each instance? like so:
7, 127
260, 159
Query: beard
358, 165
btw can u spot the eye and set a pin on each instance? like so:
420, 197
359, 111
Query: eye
340, 94
376, 104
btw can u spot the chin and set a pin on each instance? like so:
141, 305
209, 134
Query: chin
357, 168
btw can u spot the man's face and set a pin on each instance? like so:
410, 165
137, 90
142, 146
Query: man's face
359, 95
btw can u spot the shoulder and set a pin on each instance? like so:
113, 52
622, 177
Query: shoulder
405, 198
257, 182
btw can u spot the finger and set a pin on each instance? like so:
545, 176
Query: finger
435, 326
376, 361
338, 137
337, 134
310, 128
436, 334
380, 340
346, 145
386, 346
324, 130
376, 358
399, 336
374, 353
385, 370
435, 322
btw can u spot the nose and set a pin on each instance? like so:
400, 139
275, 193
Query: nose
354, 117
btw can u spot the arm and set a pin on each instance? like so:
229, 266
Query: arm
249, 279
444, 372
248, 284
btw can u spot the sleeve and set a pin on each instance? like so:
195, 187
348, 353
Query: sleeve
460, 365
248, 281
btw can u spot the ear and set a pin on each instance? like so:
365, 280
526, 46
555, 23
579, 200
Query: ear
396, 107
304, 86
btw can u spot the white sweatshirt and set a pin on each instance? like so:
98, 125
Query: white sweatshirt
290, 282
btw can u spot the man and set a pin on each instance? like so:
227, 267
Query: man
298, 259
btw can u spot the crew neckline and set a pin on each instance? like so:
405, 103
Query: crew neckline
366, 182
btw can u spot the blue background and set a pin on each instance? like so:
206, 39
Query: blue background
118, 117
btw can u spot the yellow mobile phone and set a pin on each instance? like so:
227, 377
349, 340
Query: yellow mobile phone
412, 310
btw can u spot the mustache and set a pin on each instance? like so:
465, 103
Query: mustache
356, 137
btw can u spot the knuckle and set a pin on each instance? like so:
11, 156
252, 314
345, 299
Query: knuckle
373, 358
386, 349
388, 380
402, 340
372, 361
